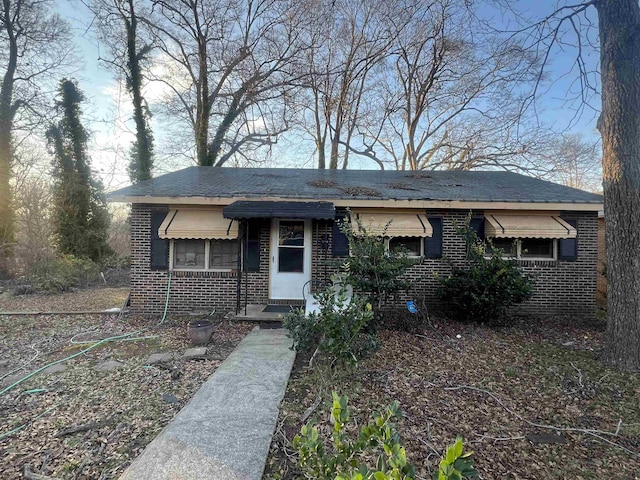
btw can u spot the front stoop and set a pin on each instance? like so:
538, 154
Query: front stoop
255, 313
225, 431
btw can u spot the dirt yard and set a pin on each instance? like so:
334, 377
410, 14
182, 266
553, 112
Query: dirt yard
77, 421
499, 389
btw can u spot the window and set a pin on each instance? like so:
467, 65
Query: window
527, 248
223, 254
537, 248
411, 245
189, 254
204, 254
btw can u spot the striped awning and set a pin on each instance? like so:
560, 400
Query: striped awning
191, 223
392, 223
527, 226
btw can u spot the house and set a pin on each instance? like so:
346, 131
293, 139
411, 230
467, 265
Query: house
232, 237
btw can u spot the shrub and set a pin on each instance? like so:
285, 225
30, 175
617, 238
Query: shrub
346, 460
372, 270
456, 464
61, 274
486, 288
337, 331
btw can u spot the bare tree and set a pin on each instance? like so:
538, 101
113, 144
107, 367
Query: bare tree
117, 22
449, 100
618, 29
34, 43
352, 40
575, 162
230, 65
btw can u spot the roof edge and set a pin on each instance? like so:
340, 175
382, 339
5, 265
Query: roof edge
373, 203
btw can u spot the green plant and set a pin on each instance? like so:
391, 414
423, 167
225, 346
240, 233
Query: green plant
456, 464
337, 330
487, 286
372, 269
61, 274
346, 459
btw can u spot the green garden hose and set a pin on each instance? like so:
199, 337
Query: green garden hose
97, 344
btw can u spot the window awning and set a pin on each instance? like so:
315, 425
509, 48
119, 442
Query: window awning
192, 223
400, 224
268, 209
527, 226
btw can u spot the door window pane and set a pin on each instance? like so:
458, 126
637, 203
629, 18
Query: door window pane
290, 259
188, 254
291, 233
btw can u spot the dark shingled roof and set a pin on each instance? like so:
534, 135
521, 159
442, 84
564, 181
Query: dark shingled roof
472, 186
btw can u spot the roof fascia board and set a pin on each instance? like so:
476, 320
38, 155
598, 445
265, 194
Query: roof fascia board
345, 202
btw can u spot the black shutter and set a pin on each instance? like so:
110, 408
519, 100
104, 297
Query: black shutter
568, 247
433, 244
477, 225
252, 245
340, 244
159, 246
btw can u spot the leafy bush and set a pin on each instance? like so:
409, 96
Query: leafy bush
486, 288
61, 274
456, 464
347, 458
372, 270
337, 331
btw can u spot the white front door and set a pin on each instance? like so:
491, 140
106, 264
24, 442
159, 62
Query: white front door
290, 258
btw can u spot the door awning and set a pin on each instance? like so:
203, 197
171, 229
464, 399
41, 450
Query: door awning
400, 224
192, 223
527, 226
271, 209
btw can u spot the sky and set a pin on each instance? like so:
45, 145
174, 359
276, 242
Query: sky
108, 109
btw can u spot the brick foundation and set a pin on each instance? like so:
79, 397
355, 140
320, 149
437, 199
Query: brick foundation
562, 287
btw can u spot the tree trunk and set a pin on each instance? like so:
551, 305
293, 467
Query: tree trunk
203, 109
142, 161
7, 114
619, 124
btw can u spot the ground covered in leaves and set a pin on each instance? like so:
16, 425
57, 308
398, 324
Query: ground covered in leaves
91, 299
81, 422
503, 390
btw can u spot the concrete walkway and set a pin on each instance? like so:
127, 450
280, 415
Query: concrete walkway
224, 432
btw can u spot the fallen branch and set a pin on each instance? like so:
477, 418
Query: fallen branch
497, 439
593, 432
77, 429
311, 409
29, 474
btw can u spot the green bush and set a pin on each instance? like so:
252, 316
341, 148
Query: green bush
486, 287
456, 464
62, 274
373, 271
347, 459
337, 330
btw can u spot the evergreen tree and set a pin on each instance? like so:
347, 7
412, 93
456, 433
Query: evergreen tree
81, 217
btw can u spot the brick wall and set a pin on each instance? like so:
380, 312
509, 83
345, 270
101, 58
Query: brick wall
190, 291
562, 287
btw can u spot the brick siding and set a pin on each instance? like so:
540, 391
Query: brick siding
562, 287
